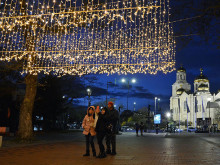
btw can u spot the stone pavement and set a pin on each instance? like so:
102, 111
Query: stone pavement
151, 149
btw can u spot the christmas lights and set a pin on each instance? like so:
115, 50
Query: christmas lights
81, 37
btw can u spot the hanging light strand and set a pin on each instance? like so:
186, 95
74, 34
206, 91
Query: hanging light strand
81, 37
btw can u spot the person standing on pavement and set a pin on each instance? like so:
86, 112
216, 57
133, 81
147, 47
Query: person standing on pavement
89, 124
141, 128
101, 131
137, 128
112, 117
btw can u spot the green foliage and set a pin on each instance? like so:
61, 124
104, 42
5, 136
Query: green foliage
130, 119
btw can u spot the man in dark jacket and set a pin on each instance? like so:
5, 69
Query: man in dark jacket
112, 117
101, 131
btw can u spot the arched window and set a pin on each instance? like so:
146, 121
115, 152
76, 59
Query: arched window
180, 77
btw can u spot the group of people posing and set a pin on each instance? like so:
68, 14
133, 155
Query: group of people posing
102, 124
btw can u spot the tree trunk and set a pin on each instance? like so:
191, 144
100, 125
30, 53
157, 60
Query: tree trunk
25, 129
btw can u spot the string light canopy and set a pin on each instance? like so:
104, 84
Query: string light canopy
78, 37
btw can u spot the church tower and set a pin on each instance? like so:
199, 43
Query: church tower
201, 83
181, 84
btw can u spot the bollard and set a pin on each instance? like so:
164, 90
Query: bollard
0, 141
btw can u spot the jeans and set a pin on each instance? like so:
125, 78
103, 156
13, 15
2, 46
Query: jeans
89, 140
111, 140
100, 137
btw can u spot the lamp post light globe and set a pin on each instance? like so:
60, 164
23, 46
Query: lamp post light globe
89, 91
168, 114
123, 80
133, 80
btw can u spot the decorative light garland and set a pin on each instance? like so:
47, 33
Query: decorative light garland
71, 37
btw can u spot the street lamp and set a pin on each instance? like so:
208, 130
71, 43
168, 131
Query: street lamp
89, 91
168, 114
209, 99
156, 104
124, 81
134, 105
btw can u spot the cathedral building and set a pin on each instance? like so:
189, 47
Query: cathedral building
198, 108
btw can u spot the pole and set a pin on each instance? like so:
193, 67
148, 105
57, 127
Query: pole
89, 101
179, 113
187, 122
209, 117
128, 94
155, 106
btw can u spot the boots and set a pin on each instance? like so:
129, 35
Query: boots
108, 151
87, 153
101, 155
94, 153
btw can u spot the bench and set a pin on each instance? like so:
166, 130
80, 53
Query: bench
4, 130
0, 141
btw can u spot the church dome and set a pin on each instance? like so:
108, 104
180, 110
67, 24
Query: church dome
201, 77
181, 69
180, 91
203, 87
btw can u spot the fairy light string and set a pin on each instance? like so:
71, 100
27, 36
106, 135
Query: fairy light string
78, 37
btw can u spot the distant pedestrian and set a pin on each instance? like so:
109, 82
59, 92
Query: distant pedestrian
137, 127
89, 124
141, 128
101, 131
112, 117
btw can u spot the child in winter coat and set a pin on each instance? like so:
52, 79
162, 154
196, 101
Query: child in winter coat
101, 131
89, 124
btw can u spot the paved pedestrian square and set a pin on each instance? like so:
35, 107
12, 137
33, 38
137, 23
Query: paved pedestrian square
152, 149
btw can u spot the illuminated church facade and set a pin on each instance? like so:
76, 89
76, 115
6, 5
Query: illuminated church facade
199, 108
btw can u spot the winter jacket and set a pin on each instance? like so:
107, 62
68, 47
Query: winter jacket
89, 124
101, 123
112, 117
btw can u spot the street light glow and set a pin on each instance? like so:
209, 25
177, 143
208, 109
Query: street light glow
88, 90
134, 102
168, 114
133, 80
123, 80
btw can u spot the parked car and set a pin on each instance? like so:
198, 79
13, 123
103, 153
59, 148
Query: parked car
192, 129
126, 129
178, 130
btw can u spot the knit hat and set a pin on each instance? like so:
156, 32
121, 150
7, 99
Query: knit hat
111, 103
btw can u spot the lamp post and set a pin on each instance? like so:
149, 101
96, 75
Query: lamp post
209, 99
168, 117
89, 91
134, 105
156, 104
124, 81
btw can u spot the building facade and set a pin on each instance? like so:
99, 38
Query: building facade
199, 108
